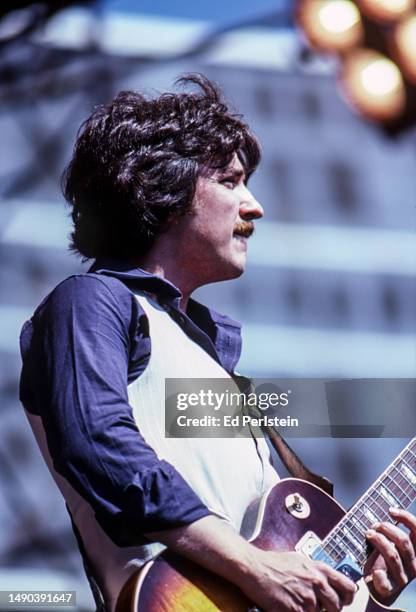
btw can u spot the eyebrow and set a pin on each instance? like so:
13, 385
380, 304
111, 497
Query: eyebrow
235, 174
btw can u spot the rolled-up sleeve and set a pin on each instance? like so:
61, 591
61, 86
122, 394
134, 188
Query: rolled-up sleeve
77, 351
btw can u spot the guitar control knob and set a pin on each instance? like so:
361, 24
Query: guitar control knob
297, 506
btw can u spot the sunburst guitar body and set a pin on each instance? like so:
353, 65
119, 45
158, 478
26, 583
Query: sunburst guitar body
294, 515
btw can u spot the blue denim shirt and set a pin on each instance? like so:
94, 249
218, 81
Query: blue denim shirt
84, 344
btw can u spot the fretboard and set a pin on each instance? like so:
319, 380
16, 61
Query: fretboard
395, 487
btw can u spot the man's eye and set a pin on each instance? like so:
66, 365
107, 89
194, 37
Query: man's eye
228, 182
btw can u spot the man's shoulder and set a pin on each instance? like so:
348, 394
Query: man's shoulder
82, 297
85, 306
86, 288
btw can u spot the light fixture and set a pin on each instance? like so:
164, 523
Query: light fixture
375, 44
331, 25
386, 11
404, 46
373, 85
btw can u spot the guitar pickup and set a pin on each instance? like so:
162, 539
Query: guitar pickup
308, 543
310, 546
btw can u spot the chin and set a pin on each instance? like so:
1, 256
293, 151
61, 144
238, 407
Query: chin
239, 271
234, 270
227, 275
228, 268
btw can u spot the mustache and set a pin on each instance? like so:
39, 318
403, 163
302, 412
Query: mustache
244, 228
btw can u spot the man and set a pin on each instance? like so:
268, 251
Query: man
159, 197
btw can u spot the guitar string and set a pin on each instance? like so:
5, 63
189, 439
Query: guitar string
371, 500
340, 540
398, 478
330, 544
395, 483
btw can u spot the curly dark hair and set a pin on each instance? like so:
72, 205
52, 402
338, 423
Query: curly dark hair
136, 162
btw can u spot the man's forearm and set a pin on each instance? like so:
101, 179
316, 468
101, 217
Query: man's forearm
272, 580
212, 543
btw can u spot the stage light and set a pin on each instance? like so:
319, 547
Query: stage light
386, 10
404, 46
373, 85
331, 25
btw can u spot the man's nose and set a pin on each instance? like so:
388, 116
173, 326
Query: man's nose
250, 208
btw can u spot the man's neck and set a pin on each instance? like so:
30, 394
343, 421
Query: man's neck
161, 271
172, 270
171, 259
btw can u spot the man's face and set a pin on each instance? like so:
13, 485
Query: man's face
215, 235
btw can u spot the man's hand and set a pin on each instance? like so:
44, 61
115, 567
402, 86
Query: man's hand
290, 582
395, 565
283, 581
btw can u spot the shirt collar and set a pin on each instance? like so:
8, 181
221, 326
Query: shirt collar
127, 272
224, 332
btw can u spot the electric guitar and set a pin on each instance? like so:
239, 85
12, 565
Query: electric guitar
292, 515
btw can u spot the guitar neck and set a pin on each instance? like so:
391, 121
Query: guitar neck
395, 487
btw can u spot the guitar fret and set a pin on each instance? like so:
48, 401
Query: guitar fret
401, 492
333, 551
388, 497
373, 518
409, 473
412, 455
356, 524
409, 450
398, 475
341, 544
333, 546
345, 541
365, 520
407, 460
356, 550
345, 544
346, 532
350, 536
398, 493
374, 510
356, 533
